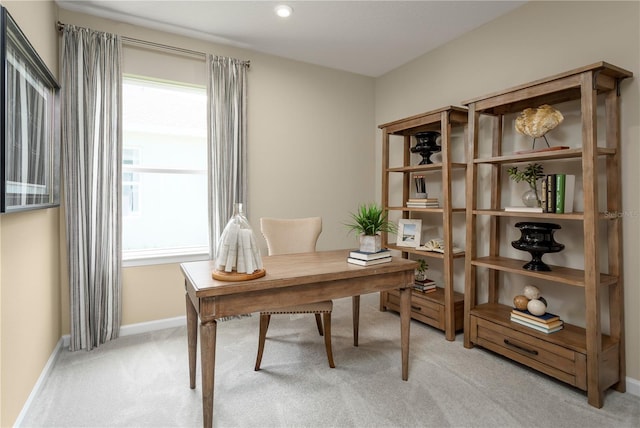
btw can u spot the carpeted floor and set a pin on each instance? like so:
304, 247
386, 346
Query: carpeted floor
142, 381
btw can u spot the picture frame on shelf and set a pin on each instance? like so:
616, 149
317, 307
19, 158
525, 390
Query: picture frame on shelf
409, 231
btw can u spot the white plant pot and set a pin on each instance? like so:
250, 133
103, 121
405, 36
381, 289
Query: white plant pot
370, 243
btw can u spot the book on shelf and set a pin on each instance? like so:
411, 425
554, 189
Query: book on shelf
423, 206
363, 255
437, 245
547, 317
425, 290
543, 194
547, 325
524, 209
368, 262
424, 285
537, 327
421, 200
550, 206
565, 189
422, 203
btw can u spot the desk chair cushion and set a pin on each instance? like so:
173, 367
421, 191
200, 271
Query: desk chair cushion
288, 236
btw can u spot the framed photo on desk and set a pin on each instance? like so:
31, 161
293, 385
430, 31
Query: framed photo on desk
409, 231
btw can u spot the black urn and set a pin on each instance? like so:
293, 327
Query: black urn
537, 239
427, 145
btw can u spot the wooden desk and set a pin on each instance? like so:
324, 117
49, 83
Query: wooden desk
290, 280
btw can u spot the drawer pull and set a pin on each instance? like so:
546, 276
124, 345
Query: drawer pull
416, 308
528, 351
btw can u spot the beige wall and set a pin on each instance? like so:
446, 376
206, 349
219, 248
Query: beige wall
29, 258
538, 40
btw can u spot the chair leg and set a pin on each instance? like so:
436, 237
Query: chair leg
264, 325
327, 338
319, 324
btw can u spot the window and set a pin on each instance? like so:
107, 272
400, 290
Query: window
164, 164
130, 182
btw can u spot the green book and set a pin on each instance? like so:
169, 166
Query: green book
560, 188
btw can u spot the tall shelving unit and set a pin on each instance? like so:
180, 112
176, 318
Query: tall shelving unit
584, 357
444, 308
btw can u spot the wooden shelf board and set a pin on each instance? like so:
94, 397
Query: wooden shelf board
554, 89
426, 210
571, 336
431, 254
433, 167
532, 157
560, 274
438, 296
503, 213
426, 121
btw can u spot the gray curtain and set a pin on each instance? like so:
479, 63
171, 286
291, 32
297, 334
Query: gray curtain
92, 147
227, 141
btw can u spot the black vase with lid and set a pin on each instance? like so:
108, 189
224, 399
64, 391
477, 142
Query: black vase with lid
427, 145
537, 239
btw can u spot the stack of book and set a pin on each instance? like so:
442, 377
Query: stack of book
425, 285
422, 203
558, 193
547, 323
367, 259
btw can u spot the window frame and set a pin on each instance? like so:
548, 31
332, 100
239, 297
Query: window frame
131, 258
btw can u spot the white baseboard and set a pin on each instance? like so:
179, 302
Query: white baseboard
143, 327
41, 379
633, 386
63, 343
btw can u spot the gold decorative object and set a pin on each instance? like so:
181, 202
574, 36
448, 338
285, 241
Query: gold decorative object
536, 122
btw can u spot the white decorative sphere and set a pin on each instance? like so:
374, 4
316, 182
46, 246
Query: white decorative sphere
531, 292
536, 307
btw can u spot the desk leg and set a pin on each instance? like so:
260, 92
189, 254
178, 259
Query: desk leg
208, 362
192, 340
405, 322
355, 308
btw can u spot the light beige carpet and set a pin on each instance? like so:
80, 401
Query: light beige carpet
142, 381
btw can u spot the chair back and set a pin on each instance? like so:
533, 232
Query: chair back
287, 236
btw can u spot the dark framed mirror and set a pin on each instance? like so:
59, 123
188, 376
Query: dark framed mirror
30, 121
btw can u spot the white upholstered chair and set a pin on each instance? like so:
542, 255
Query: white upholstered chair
287, 236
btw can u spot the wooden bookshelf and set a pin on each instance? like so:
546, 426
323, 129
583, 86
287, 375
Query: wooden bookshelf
584, 357
443, 309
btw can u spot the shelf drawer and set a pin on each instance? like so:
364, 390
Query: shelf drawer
428, 311
562, 363
419, 306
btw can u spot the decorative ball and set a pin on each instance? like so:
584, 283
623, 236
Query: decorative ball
543, 300
536, 307
520, 302
531, 292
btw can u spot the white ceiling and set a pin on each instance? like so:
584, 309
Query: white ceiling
364, 37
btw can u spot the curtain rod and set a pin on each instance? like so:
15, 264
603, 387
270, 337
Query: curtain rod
60, 26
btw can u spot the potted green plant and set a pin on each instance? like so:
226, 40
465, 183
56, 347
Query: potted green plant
421, 270
368, 222
530, 174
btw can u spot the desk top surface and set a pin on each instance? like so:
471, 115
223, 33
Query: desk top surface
287, 270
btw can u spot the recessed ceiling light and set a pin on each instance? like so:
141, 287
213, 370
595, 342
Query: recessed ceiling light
283, 11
